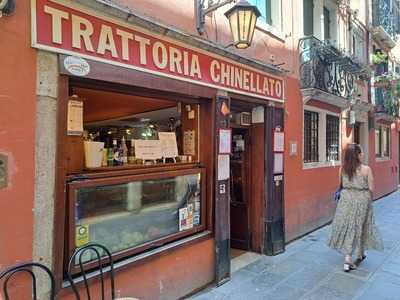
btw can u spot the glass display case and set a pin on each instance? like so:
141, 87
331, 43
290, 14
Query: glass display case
131, 214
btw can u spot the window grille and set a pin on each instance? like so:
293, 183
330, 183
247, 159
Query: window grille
332, 138
311, 128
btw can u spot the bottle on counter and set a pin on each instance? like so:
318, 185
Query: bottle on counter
110, 154
104, 162
115, 152
124, 157
131, 153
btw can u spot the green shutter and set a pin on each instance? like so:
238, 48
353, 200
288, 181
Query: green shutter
308, 14
327, 24
268, 12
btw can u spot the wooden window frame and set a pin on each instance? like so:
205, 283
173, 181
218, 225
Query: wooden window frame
74, 186
129, 82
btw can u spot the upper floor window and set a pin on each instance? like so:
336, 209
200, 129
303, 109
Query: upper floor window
320, 19
382, 142
271, 11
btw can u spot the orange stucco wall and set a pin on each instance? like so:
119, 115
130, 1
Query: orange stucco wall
17, 134
169, 276
308, 193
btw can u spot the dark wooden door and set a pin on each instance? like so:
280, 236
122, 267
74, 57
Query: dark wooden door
240, 233
357, 133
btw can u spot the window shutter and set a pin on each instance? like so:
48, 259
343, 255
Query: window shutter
308, 14
268, 11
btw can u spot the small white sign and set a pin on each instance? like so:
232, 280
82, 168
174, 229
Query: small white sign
278, 163
257, 115
225, 141
77, 66
223, 167
279, 141
148, 149
168, 144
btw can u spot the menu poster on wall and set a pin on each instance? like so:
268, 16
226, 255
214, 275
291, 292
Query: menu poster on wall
279, 141
223, 167
148, 149
278, 163
189, 142
75, 117
225, 141
168, 144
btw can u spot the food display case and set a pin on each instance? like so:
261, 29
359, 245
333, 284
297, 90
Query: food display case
133, 213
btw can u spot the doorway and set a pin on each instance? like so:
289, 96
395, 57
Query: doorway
247, 197
240, 193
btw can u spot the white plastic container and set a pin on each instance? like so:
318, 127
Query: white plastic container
93, 154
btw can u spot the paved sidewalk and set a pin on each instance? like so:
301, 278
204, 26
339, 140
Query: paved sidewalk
309, 270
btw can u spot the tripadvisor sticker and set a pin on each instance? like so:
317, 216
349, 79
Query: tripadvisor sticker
76, 66
82, 235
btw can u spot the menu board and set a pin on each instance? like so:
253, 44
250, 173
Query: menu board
75, 117
168, 144
148, 149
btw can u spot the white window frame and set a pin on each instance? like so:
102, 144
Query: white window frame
322, 163
275, 31
382, 157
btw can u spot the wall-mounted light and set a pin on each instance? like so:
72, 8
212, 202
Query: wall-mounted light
242, 19
7, 7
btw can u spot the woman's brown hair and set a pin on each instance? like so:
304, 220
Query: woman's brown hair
351, 160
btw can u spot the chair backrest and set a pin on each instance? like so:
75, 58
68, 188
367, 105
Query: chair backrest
100, 261
27, 268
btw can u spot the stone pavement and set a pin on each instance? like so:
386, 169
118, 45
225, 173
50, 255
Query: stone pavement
309, 270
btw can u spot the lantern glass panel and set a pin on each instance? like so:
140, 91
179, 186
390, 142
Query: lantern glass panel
234, 24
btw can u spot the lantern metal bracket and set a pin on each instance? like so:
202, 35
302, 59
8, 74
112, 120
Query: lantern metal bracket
201, 11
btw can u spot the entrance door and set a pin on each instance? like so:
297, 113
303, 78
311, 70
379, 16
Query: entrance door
357, 133
240, 179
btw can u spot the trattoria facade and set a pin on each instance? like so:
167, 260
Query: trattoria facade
191, 139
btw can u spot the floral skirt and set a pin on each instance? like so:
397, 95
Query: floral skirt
353, 226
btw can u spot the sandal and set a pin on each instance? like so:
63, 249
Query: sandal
359, 260
347, 267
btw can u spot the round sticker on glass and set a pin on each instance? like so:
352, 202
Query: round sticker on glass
76, 66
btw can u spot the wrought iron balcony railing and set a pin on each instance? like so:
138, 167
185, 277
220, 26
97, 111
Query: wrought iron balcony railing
386, 13
386, 103
324, 67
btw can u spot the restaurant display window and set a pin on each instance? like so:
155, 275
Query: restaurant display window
137, 182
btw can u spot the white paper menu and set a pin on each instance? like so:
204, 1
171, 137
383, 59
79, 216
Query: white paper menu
168, 144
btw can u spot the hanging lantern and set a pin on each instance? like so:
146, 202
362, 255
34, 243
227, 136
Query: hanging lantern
242, 20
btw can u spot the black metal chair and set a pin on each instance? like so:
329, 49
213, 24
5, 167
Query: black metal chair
28, 268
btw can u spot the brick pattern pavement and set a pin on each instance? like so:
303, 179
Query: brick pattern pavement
309, 270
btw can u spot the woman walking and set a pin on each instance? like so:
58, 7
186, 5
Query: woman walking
353, 226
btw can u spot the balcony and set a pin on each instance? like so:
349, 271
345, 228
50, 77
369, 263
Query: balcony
386, 104
386, 22
326, 74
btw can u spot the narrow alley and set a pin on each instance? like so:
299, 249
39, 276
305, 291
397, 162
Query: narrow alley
309, 270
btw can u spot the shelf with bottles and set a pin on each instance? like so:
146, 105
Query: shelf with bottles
119, 147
